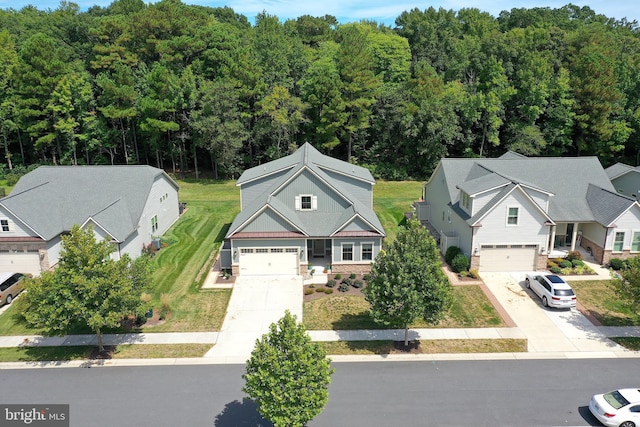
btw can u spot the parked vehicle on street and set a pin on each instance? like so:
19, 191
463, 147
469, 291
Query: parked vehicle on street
552, 289
10, 286
618, 408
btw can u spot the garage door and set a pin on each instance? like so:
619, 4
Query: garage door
508, 257
20, 262
268, 261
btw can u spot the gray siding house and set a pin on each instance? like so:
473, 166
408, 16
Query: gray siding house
129, 205
301, 212
513, 212
625, 179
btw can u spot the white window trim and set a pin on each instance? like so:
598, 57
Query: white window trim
353, 252
373, 246
314, 202
613, 243
517, 216
631, 243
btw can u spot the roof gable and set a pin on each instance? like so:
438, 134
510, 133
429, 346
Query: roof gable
115, 196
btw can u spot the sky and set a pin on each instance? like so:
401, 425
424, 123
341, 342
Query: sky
382, 11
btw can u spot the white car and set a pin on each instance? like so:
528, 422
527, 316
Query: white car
553, 291
618, 408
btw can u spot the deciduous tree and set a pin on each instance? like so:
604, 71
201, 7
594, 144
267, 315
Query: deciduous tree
288, 375
407, 281
88, 288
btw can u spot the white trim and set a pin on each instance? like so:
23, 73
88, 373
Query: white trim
300, 202
613, 242
551, 221
373, 245
350, 220
509, 207
612, 223
342, 244
634, 231
487, 189
240, 184
22, 221
258, 212
100, 226
345, 174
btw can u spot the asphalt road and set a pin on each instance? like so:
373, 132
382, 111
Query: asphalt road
490, 393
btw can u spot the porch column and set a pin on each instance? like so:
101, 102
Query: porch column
574, 235
553, 239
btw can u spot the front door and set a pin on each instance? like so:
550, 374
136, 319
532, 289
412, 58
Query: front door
569, 236
318, 248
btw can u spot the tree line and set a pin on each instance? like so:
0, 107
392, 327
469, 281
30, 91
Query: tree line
188, 88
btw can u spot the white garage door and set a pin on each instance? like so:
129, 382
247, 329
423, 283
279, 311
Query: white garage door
20, 262
268, 261
508, 258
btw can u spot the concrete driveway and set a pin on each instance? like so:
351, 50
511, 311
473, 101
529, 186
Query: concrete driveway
256, 302
546, 329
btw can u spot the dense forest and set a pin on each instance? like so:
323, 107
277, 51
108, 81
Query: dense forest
192, 88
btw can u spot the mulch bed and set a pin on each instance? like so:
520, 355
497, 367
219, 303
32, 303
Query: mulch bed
351, 291
107, 353
413, 347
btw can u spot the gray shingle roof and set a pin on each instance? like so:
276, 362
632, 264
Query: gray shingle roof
566, 178
314, 224
51, 199
607, 205
619, 169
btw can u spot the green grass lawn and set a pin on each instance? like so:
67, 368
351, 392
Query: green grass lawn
470, 309
391, 199
505, 345
601, 301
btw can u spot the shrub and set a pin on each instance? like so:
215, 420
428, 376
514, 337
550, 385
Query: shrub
331, 283
165, 306
308, 291
328, 291
343, 287
12, 178
460, 263
366, 277
463, 273
556, 270
617, 264
321, 289
357, 284
566, 264
452, 252
577, 262
573, 255
338, 276
352, 276
473, 273
347, 281
551, 264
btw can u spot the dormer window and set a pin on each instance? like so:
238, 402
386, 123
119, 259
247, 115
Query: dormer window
306, 202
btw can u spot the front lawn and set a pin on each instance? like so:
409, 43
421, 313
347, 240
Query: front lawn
600, 300
470, 309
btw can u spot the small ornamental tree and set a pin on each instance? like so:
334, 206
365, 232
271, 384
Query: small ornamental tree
626, 283
288, 375
87, 288
407, 282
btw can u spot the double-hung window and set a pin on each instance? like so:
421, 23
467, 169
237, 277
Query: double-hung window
512, 216
4, 224
367, 252
347, 251
154, 223
618, 242
635, 243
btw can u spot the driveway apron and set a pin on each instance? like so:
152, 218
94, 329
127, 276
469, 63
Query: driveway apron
256, 302
546, 329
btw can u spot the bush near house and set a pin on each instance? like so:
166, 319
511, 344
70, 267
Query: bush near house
617, 264
567, 267
451, 253
460, 263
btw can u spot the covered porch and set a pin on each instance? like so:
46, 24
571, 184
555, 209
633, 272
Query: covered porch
564, 238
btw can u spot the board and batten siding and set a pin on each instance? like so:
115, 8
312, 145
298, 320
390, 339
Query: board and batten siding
268, 220
627, 224
531, 228
361, 190
256, 189
356, 225
308, 184
357, 248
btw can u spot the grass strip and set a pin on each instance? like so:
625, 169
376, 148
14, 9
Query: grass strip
502, 345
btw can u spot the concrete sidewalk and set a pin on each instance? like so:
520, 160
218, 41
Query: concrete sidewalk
110, 339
